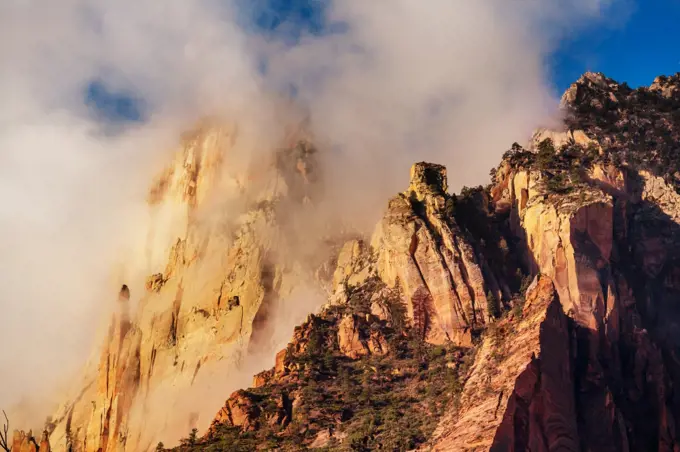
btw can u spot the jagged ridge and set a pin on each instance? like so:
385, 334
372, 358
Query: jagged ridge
592, 210
596, 226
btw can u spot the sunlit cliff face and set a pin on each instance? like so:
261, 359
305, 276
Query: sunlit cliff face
451, 83
229, 266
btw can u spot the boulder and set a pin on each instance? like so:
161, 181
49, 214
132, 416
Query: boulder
349, 340
239, 411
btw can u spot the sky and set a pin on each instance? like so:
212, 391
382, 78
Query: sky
642, 43
96, 93
638, 41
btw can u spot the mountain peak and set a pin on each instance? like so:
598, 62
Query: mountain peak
668, 86
428, 178
585, 86
433, 334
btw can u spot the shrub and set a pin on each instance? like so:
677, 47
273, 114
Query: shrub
397, 310
576, 175
191, 439
492, 306
558, 183
389, 402
546, 154
526, 282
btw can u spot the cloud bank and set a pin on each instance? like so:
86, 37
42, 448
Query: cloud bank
389, 83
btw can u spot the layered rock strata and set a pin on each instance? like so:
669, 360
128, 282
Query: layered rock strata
421, 248
214, 279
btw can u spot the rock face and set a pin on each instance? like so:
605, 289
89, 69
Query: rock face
214, 280
349, 339
605, 243
25, 442
421, 248
602, 248
586, 359
434, 335
603, 354
540, 413
520, 377
353, 344
340, 364
239, 411
571, 241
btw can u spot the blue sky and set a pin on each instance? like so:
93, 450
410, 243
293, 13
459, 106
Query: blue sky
647, 44
634, 50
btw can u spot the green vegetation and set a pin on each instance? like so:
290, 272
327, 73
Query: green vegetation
563, 169
191, 440
391, 402
518, 157
518, 301
546, 157
492, 306
638, 127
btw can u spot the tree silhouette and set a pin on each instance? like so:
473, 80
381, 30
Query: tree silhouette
4, 434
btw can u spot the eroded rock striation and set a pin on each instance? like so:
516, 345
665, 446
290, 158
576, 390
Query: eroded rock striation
537, 313
584, 358
420, 247
26, 442
206, 304
520, 382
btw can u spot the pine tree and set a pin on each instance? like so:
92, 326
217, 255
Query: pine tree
492, 307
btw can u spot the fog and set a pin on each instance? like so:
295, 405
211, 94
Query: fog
399, 81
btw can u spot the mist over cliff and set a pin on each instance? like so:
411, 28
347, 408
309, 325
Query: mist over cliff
450, 82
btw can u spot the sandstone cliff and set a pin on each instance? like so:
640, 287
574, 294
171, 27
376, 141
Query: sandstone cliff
433, 335
26, 442
589, 220
220, 271
420, 246
582, 359
348, 380
520, 377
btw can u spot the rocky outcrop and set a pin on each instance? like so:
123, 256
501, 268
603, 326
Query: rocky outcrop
586, 357
354, 343
349, 339
561, 139
569, 237
521, 376
572, 243
606, 246
606, 242
215, 279
26, 442
23, 442
421, 248
432, 318
637, 127
44, 445
346, 266
340, 365
239, 411
668, 87
540, 412
581, 92
592, 340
